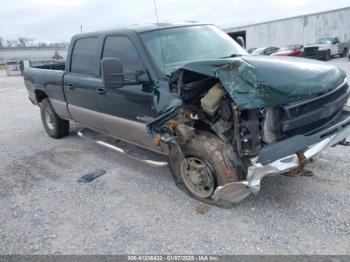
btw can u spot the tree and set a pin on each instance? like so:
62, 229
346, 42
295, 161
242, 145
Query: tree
25, 41
11, 43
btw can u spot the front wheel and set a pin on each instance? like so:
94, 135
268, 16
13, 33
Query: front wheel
203, 166
55, 126
328, 55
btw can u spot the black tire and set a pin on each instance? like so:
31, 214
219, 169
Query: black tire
345, 52
55, 126
327, 55
212, 150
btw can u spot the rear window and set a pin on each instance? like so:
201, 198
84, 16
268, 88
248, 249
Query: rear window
84, 56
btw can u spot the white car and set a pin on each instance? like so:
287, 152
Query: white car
325, 48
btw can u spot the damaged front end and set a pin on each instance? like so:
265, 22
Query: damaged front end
271, 115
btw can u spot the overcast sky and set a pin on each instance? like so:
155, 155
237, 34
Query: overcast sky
57, 20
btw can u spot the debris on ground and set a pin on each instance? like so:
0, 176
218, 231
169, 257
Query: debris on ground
202, 209
91, 176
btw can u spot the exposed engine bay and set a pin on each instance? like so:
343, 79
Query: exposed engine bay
208, 106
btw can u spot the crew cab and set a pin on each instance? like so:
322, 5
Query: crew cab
225, 119
325, 48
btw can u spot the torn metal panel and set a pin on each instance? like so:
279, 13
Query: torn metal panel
155, 126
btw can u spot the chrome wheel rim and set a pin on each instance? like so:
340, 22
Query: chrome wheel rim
198, 177
49, 120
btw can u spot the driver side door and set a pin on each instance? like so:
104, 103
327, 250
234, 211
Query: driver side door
335, 47
126, 107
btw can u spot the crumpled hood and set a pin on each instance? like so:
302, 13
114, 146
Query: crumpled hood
264, 81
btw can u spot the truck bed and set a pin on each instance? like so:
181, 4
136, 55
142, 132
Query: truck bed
49, 81
52, 66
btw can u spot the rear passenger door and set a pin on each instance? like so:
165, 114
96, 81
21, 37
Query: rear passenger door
82, 82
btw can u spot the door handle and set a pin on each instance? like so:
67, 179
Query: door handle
70, 86
101, 91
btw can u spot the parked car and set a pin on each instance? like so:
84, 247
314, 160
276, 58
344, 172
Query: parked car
289, 50
325, 48
224, 118
251, 50
265, 51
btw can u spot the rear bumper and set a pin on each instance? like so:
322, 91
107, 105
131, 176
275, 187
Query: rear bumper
289, 155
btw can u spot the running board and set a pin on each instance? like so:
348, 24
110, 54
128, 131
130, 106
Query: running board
146, 156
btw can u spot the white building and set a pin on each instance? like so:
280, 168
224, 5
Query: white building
303, 29
30, 53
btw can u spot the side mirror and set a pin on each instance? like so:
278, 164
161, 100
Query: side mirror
114, 76
112, 72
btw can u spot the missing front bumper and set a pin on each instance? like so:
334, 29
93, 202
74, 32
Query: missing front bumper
261, 166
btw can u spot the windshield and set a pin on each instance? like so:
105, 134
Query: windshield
324, 41
288, 48
259, 51
186, 44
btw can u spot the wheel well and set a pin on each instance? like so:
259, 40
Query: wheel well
40, 95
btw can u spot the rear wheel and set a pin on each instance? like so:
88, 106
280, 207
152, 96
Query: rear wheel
205, 166
55, 126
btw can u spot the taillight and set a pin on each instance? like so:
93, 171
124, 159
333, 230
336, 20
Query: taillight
295, 53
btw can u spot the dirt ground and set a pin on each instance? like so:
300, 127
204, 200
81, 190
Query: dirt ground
137, 209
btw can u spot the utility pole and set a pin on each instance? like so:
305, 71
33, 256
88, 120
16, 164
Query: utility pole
81, 28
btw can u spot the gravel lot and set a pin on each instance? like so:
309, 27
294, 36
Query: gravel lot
135, 208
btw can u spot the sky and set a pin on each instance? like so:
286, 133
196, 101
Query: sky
59, 20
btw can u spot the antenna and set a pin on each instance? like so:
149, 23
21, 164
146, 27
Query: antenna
160, 39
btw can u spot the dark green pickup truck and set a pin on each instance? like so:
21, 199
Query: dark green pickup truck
226, 119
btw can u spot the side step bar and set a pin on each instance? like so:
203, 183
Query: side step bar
143, 155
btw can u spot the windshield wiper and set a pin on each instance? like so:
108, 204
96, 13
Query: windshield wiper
230, 56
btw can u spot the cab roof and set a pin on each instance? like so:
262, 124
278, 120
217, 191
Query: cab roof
141, 28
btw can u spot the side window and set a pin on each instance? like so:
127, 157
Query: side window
84, 56
121, 47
